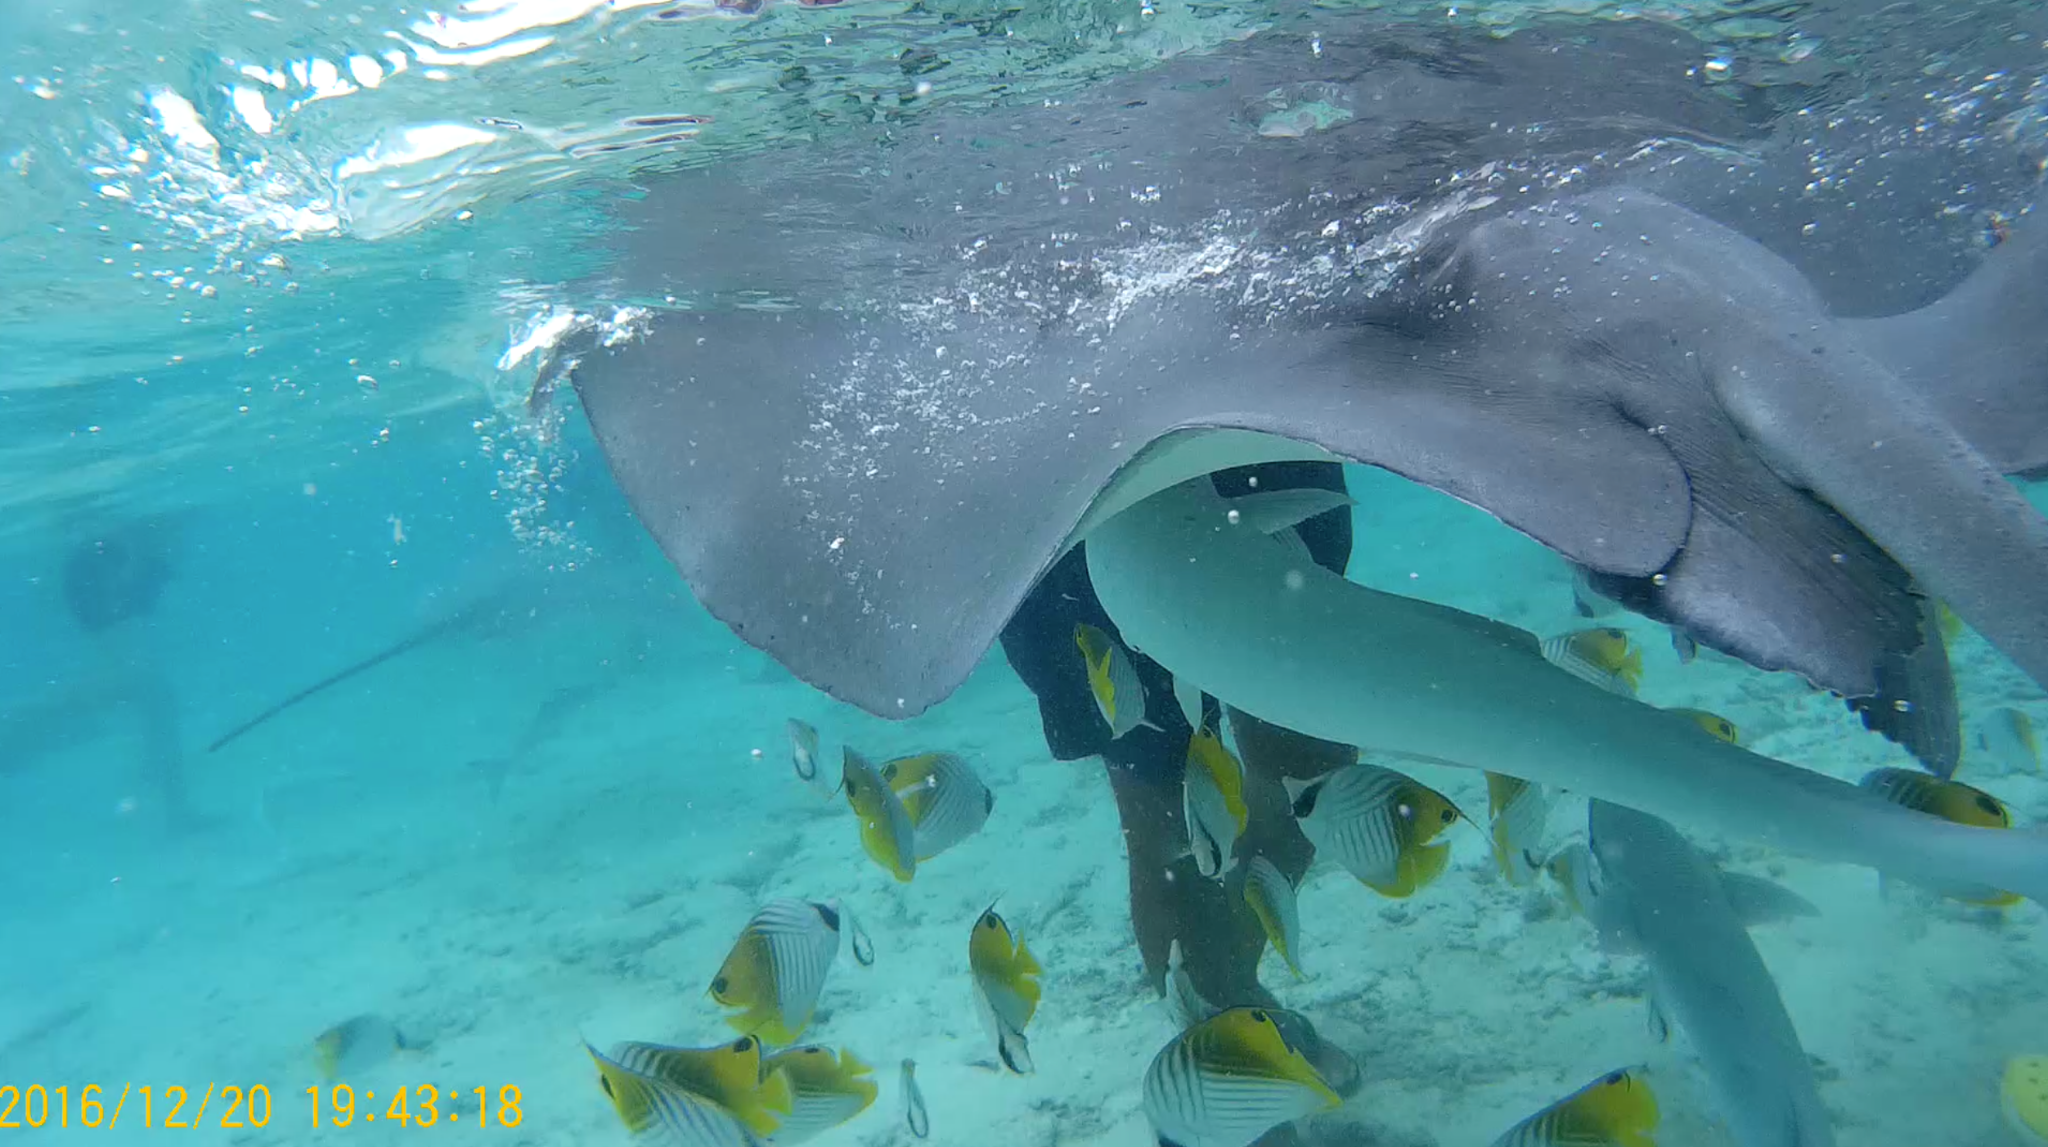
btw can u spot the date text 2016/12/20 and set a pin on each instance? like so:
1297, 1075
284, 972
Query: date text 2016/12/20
106, 1105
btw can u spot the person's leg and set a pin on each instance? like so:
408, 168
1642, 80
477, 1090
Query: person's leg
1270, 754
1221, 941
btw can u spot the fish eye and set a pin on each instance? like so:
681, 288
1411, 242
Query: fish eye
744, 1043
1990, 804
1615, 1078
1260, 1017
1448, 815
605, 1082
719, 985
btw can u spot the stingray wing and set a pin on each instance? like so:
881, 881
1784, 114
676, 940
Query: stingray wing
867, 490
868, 497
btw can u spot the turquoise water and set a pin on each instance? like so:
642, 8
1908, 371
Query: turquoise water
274, 284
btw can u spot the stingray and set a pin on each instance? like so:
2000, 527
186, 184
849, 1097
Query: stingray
1016, 335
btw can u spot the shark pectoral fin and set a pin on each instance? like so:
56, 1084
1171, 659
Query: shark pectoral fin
1760, 901
1831, 418
1271, 511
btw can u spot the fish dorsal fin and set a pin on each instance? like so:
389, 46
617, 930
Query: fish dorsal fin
1760, 901
632, 1097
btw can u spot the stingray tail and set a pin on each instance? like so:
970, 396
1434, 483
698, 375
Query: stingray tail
1979, 355
420, 637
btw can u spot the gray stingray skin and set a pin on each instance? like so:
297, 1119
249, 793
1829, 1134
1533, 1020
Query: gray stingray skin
866, 483
1782, 417
1654, 893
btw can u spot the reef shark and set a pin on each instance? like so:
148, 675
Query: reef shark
889, 385
1650, 891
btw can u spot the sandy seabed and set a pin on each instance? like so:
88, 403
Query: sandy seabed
506, 860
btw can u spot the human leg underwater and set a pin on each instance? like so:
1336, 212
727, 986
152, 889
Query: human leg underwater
1221, 941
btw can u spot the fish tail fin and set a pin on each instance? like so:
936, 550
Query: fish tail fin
1015, 1051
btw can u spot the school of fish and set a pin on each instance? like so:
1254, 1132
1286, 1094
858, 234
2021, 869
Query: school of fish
1233, 1073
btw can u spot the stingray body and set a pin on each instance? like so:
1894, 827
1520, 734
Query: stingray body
1650, 394
990, 335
